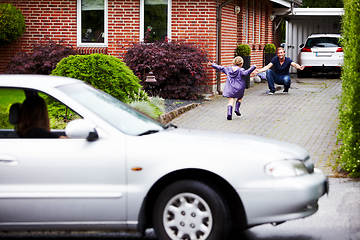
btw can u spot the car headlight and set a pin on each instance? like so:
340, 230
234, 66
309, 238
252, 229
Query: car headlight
286, 168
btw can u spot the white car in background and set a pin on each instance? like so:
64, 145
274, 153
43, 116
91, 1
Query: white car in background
321, 53
120, 170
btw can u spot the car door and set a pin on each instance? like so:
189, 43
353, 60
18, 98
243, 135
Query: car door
54, 182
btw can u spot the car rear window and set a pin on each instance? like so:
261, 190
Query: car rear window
323, 42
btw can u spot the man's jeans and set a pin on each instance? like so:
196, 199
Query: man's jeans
272, 78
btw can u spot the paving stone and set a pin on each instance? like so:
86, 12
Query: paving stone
306, 116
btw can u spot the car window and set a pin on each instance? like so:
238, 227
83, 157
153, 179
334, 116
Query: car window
323, 42
112, 110
59, 114
8, 97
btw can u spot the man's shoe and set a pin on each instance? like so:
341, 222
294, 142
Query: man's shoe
286, 90
271, 92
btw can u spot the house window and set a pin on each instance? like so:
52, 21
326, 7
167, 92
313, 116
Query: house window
92, 23
155, 19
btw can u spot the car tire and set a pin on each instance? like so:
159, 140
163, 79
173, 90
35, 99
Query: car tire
190, 209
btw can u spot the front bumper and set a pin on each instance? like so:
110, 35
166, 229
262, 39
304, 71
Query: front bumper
323, 69
281, 199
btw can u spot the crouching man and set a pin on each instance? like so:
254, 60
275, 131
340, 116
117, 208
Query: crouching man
280, 75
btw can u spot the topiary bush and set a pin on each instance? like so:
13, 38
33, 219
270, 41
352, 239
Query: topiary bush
270, 48
243, 50
104, 72
177, 67
349, 107
42, 60
12, 23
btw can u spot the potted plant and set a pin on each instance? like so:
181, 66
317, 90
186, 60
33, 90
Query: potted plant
244, 51
269, 53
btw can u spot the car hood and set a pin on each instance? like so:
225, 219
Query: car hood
235, 157
205, 144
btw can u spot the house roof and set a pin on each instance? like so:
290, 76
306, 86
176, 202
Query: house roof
287, 3
317, 12
282, 3
295, 13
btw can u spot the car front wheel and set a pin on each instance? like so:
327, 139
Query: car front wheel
190, 210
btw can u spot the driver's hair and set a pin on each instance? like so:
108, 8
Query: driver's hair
33, 114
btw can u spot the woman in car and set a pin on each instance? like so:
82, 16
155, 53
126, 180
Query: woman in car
34, 120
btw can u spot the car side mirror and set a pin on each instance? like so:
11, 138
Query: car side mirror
82, 129
301, 45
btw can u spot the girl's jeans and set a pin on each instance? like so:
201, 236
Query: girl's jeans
272, 78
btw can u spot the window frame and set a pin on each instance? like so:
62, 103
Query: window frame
142, 27
78, 22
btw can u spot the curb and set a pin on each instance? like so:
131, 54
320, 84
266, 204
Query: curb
168, 117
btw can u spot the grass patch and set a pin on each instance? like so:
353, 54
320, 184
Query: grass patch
10, 96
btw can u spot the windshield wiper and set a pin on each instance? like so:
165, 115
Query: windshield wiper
169, 125
148, 132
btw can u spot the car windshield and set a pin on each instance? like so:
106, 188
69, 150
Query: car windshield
112, 110
323, 42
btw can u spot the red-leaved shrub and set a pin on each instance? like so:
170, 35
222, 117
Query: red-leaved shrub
42, 60
177, 67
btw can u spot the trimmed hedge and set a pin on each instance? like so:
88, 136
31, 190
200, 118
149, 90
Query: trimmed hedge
243, 50
12, 23
104, 72
349, 108
270, 48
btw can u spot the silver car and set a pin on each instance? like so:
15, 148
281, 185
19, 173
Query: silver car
120, 170
321, 53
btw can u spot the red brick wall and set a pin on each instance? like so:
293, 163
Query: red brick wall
195, 22
259, 29
192, 21
251, 26
123, 25
56, 20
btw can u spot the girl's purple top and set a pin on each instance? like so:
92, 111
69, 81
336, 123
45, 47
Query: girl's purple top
235, 83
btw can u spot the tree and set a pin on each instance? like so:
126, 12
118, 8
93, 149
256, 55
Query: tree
12, 23
322, 4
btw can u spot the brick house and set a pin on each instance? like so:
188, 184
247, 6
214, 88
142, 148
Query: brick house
108, 26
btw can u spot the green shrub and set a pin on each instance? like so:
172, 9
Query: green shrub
243, 50
4, 118
12, 23
153, 108
104, 72
349, 107
270, 48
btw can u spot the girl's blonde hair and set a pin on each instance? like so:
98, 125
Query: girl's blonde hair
238, 61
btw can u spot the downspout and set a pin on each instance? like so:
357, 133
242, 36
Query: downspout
218, 41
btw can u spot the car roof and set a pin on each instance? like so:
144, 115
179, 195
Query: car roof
34, 81
324, 35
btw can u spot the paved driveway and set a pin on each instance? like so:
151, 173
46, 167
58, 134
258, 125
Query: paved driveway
306, 116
